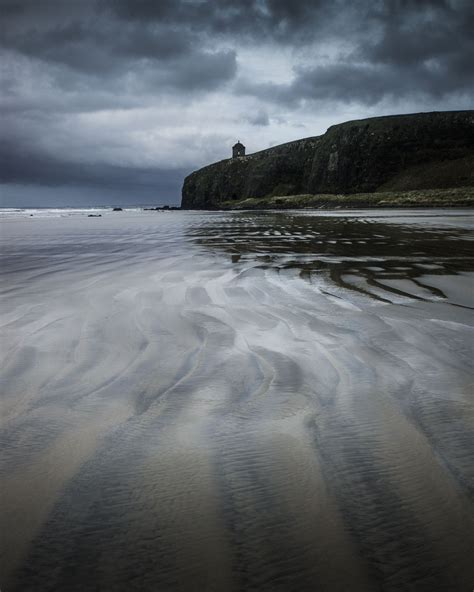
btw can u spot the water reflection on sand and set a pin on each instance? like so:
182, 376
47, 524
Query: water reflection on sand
238, 401
379, 256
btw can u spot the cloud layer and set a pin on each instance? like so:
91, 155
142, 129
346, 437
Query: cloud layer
132, 94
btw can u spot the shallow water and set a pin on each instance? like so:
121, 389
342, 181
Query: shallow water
238, 401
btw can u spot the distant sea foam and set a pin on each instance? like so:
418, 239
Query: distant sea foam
6, 213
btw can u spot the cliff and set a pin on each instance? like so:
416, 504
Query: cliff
392, 153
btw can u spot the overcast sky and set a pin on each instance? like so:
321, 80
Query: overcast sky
115, 101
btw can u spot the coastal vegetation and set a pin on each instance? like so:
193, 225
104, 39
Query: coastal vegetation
454, 197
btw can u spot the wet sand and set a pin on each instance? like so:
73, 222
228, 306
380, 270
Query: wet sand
238, 401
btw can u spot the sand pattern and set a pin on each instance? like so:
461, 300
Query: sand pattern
238, 401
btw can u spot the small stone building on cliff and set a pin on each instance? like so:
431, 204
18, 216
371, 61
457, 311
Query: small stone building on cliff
238, 150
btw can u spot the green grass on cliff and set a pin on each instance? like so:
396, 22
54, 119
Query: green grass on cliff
457, 197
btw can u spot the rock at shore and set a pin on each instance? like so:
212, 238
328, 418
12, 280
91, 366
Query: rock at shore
393, 153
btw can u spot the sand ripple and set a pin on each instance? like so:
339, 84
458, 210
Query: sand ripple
238, 402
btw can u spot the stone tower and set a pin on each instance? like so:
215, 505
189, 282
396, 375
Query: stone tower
238, 150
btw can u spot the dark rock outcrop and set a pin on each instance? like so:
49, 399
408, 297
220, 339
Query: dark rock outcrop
397, 152
162, 209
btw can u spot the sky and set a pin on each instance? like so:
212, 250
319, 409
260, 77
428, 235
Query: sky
116, 101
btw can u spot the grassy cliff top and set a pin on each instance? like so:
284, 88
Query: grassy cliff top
457, 197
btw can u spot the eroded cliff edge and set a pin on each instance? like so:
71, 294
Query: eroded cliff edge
392, 153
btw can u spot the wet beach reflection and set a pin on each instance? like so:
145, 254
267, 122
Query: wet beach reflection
373, 255
218, 401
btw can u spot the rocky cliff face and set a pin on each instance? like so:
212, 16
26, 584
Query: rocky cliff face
420, 151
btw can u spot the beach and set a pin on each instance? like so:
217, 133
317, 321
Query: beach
237, 401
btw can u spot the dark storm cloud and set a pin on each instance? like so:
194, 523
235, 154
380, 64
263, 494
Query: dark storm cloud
106, 36
112, 49
97, 50
385, 42
258, 118
201, 71
399, 50
21, 164
369, 83
63, 58
392, 44
277, 19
